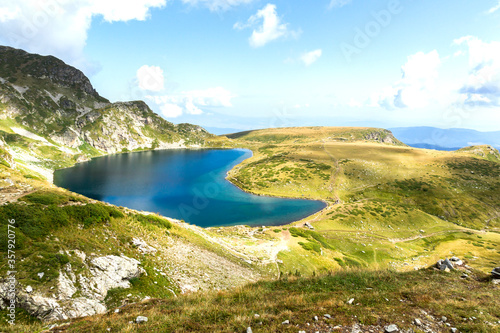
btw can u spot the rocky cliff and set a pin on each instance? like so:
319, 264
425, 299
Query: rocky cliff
52, 105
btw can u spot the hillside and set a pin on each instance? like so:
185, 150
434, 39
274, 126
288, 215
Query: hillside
311, 134
348, 301
389, 205
76, 255
393, 211
51, 116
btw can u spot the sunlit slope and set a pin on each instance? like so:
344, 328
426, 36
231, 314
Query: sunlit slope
311, 134
388, 203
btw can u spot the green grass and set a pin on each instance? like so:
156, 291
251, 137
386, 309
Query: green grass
380, 298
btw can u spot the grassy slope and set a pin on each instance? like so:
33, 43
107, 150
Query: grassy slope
371, 190
399, 207
380, 298
52, 224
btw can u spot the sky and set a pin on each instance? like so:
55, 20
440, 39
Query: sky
247, 64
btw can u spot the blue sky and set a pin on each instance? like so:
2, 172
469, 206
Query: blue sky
252, 64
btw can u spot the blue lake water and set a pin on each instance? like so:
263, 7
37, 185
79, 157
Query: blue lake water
183, 184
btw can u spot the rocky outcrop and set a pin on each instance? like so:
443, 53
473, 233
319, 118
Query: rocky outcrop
383, 136
101, 274
45, 67
57, 102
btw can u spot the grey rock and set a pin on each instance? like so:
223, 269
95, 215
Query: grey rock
249, 330
350, 301
444, 319
456, 261
103, 274
453, 330
391, 329
417, 322
141, 319
444, 264
496, 272
327, 316
143, 247
316, 318
308, 225
356, 329
286, 322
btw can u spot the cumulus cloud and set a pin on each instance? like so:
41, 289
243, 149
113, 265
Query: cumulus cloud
338, 3
150, 78
416, 86
59, 27
482, 86
309, 58
494, 9
192, 102
217, 5
169, 110
267, 26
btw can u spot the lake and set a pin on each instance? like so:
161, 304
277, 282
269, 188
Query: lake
186, 184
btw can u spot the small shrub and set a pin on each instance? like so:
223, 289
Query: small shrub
46, 198
152, 219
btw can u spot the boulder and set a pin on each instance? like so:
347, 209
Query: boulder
143, 247
496, 273
308, 225
141, 319
444, 264
391, 329
456, 261
102, 274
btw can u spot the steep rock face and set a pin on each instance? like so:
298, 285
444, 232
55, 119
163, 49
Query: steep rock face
383, 136
101, 274
58, 102
15, 61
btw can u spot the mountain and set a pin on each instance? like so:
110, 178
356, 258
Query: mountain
49, 105
445, 139
312, 134
391, 208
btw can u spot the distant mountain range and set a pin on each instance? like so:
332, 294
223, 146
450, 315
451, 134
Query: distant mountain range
445, 139
222, 131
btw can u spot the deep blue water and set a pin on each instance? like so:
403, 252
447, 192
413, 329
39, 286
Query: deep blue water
183, 184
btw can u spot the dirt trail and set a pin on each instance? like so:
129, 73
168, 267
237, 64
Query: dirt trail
10, 197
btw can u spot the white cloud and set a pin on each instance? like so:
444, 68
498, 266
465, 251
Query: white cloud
310, 57
482, 86
353, 103
338, 3
192, 102
494, 9
271, 29
150, 78
417, 85
169, 110
217, 5
59, 27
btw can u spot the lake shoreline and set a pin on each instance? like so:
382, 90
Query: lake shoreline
184, 171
